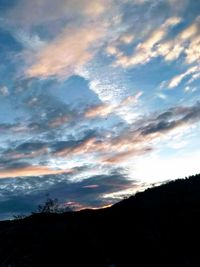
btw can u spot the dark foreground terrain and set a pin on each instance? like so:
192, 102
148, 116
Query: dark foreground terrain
159, 227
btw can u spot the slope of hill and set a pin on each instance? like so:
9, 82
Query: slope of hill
159, 227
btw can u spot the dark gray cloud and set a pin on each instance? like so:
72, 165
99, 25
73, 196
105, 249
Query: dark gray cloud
25, 147
159, 127
24, 195
172, 119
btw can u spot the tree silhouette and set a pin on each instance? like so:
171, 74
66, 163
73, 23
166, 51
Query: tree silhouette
51, 205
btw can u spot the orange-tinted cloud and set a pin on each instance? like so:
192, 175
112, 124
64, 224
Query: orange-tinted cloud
103, 110
119, 157
99, 110
85, 146
91, 186
31, 154
59, 121
31, 171
63, 56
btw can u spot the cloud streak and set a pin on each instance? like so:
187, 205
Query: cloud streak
103, 110
179, 78
31, 171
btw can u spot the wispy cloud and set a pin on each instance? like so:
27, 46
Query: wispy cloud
179, 78
4, 91
103, 110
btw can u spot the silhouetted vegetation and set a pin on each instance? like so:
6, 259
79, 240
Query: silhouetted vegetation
51, 205
159, 227
19, 216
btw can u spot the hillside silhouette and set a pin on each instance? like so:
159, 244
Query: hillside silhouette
159, 227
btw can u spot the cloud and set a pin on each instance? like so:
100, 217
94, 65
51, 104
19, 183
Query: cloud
91, 186
59, 121
29, 41
145, 50
14, 155
172, 119
194, 77
62, 57
54, 154
103, 109
178, 79
192, 51
4, 91
30, 14
161, 96
159, 43
87, 145
107, 150
30, 171
136, 141
52, 124
178, 6
127, 38
58, 52
126, 155
99, 110
106, 87
28, 193
133, 140
190, 31
186, 42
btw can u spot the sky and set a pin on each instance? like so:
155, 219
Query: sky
98, 99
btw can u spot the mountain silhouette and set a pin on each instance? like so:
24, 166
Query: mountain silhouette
159, 227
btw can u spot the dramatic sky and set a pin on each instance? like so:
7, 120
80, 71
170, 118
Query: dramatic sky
98, 99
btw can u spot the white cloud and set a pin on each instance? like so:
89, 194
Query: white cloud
29, 41
145, 51
162, 96
186, 43
127, 38
194, 77
179, 78
4, 91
